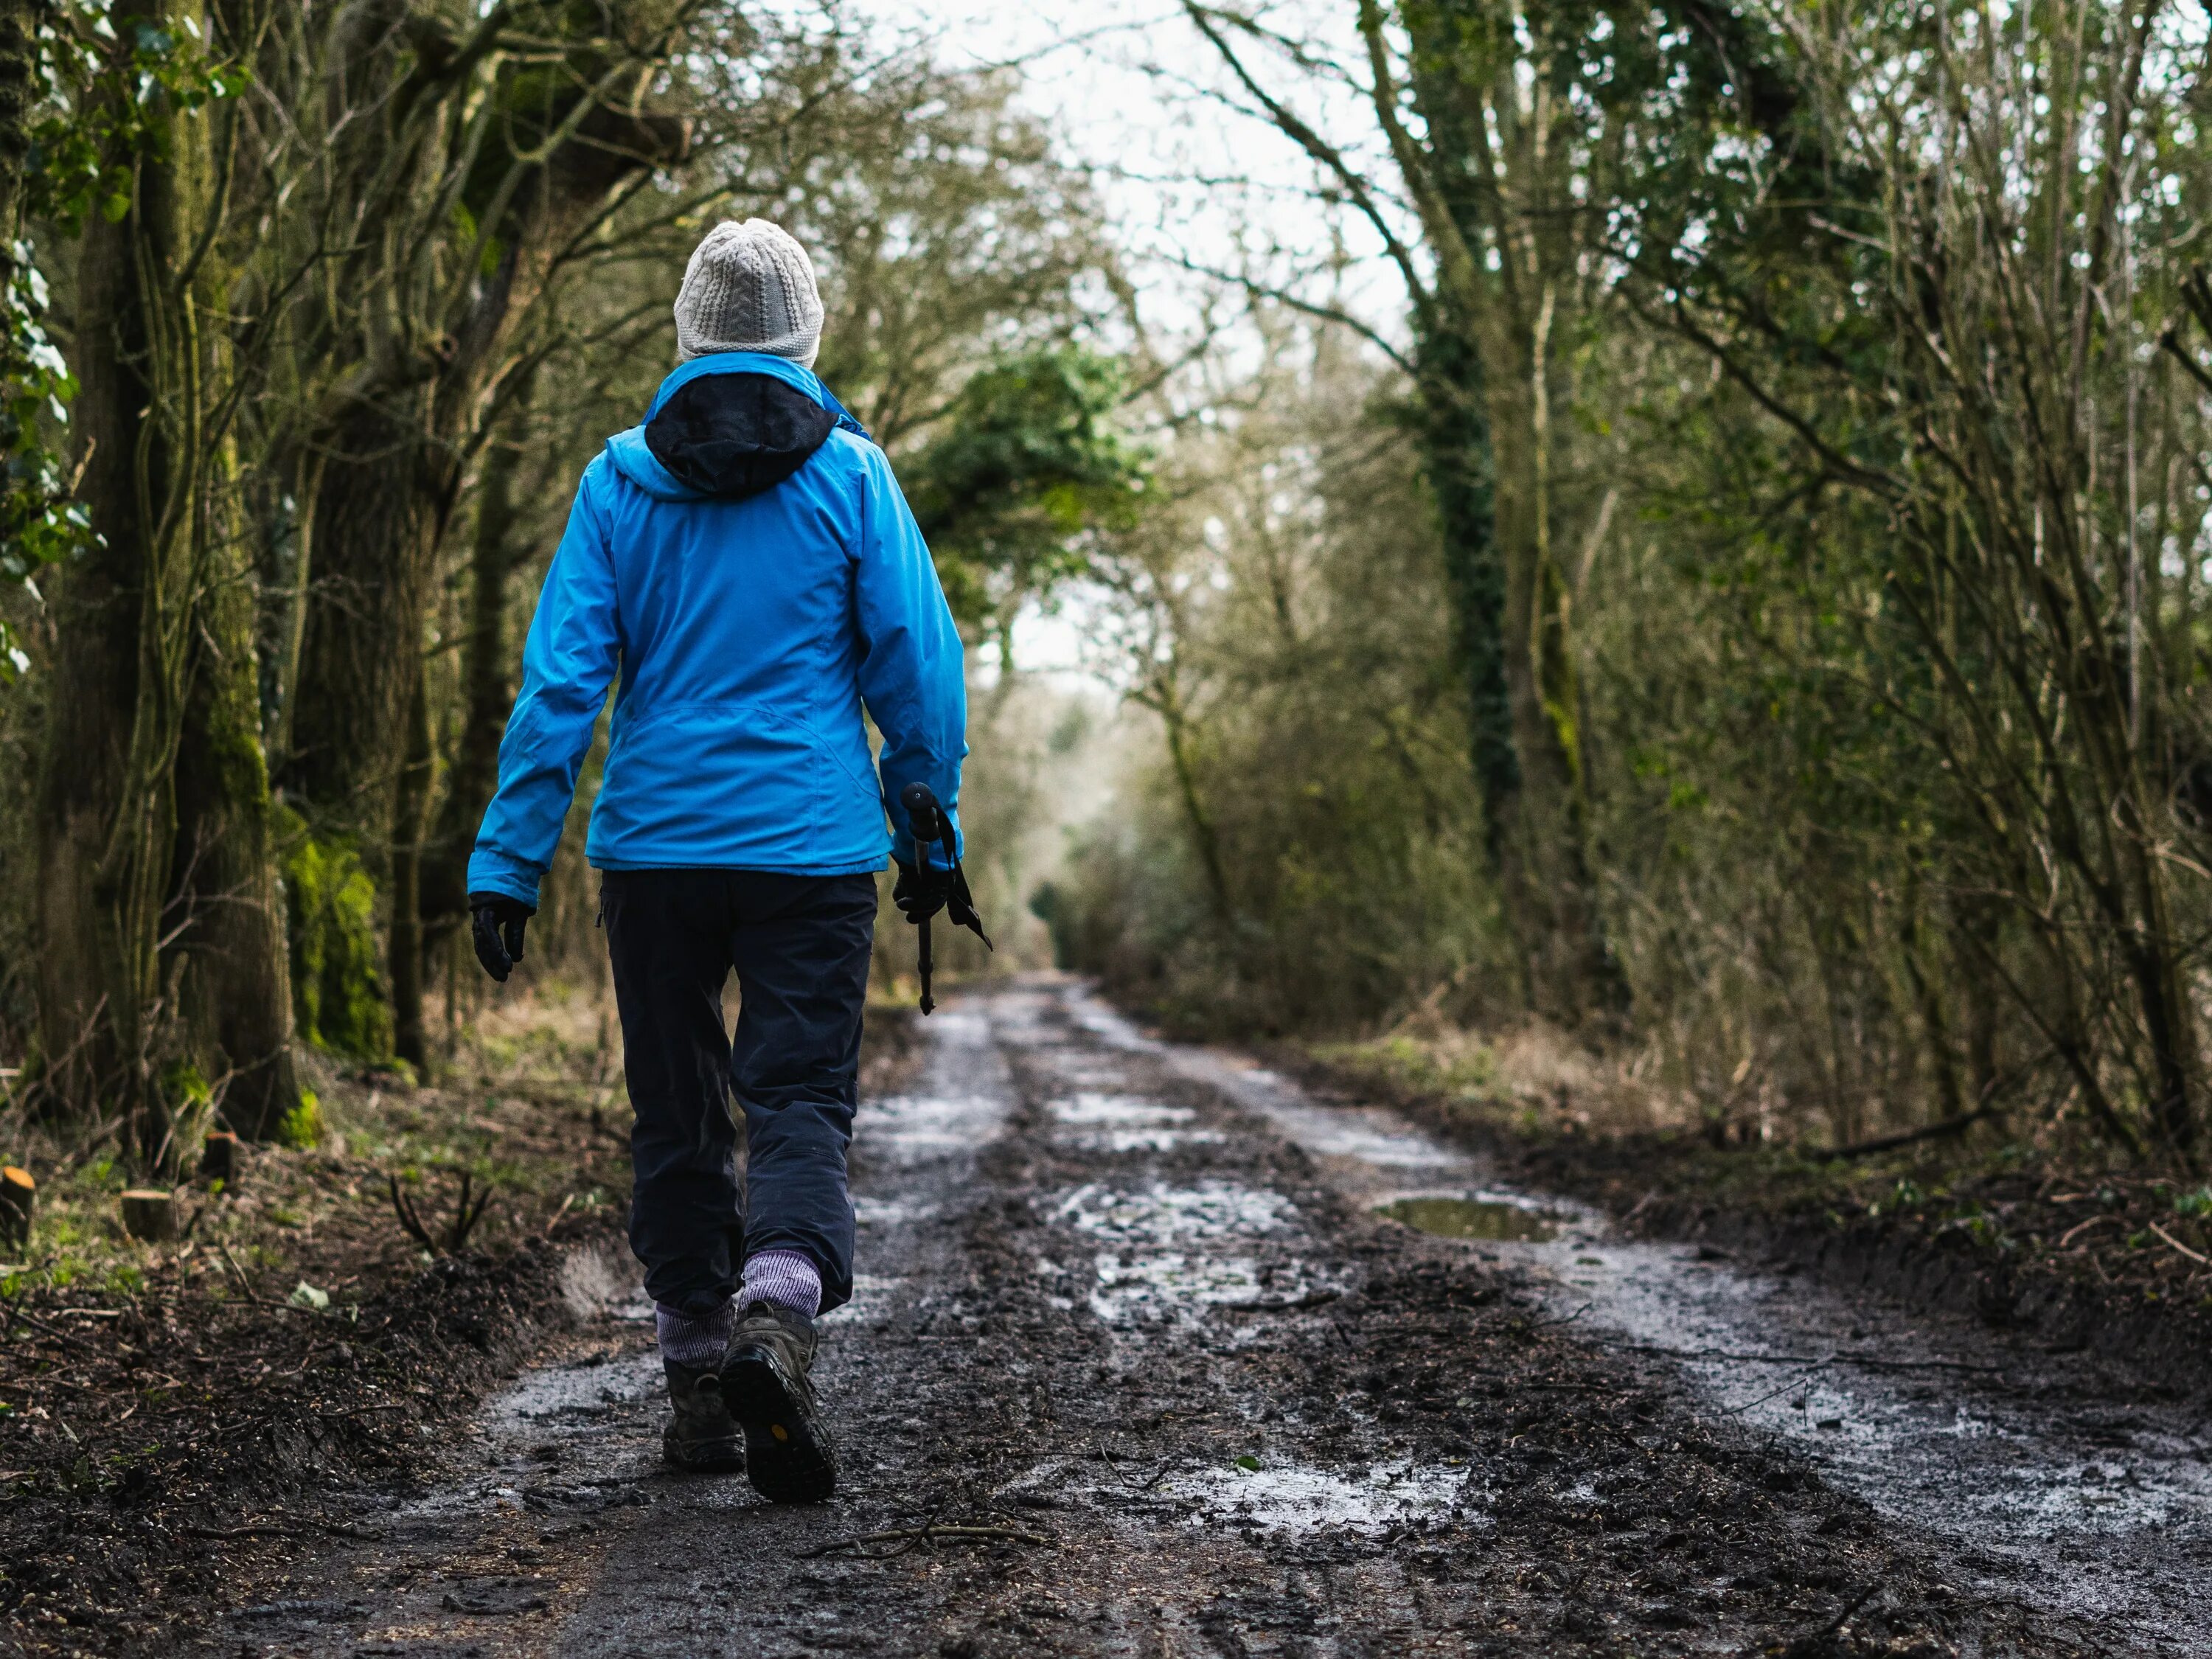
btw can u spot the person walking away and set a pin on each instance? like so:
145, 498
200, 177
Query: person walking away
745, 561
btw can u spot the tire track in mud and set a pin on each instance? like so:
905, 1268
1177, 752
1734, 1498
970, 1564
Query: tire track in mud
1104, 1304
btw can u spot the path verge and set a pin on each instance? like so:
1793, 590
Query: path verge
2066, 1261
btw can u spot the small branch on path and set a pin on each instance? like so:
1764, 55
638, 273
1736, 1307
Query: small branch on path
244, 1283
2179, 1245
56, 1332
1868, 1362
1281, 1303
225, 1534
908, 1537
1949, 1125
1562, 1318
1842, 1618
2078, 1228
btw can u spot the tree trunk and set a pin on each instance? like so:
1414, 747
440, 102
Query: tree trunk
105, 814
379, 514
397, 452
1579, 975
489, 692
1456, 445
410, 820
227, 914
162, 970
1488, 369
19, 23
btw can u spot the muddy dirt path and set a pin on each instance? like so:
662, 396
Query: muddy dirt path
1126, 1311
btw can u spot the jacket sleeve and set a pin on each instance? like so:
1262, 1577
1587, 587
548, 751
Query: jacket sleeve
567, 664
911, 675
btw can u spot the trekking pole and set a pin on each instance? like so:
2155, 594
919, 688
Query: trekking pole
930, 822
927, 819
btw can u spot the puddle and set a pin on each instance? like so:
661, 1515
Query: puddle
1299, 1499
913, 1127
1123, 1111
569, 1398
1145, 1140
1972, 1443
1491, 1220
1160, 1214
890, 1213
1172, 1283
1172, 1251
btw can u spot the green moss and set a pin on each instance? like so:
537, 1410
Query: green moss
339, 1000
302, 1127
186, 1089
1464, 1071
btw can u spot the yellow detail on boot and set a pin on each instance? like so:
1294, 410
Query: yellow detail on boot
779, 1431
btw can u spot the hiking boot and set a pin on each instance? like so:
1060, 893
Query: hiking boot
700, 1436
789, 1455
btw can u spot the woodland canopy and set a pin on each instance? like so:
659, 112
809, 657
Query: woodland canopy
1739, 598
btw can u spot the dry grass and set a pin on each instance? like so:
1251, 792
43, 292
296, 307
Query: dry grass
1531, 1077
531, 1106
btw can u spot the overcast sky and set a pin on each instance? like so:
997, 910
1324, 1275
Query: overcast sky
1137, 94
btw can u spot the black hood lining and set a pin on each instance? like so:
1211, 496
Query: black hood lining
738, 435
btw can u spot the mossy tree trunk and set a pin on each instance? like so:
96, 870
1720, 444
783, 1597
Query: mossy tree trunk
434, 363
1490, 176
161, 977
20, 22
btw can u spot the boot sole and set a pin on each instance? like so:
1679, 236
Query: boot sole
789, 1457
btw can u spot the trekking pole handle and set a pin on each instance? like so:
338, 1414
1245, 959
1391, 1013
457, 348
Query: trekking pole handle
923, 814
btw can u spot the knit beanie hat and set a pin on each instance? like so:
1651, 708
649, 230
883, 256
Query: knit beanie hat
749, 288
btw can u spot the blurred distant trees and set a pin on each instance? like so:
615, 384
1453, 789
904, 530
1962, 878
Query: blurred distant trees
1801, 422
344, 297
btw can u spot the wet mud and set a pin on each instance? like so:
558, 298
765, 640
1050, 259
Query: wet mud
1135, 1367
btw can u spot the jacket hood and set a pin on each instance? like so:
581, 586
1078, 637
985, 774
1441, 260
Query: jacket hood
729, 426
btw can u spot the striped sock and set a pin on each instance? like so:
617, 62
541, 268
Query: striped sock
786, 1277
685, 1340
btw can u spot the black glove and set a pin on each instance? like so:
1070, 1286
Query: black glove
498, 921
921, 893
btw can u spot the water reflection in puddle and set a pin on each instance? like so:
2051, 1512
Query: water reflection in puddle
1471, 1217
1297, 1497
1164, 1255
1123, 1111
1160, 1214
1145, 1140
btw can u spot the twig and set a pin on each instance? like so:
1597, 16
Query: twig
221, 1533
1949, 1125
466, 1215
1865, 1362
1850, 1607
1281, 1305
2180, 1246
55, 1331
1563, 1319
910, 1536
1106, 1455
464, 1218
2067, 1237
408, 1219
1805, 1375
244, 1283
557, 1215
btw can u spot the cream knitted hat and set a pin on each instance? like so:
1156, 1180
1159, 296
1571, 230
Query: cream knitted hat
749, 288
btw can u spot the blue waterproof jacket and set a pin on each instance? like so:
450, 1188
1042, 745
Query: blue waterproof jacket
744, 559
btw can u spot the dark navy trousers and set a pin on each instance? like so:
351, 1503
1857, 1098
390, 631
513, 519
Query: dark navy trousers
705, 1197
